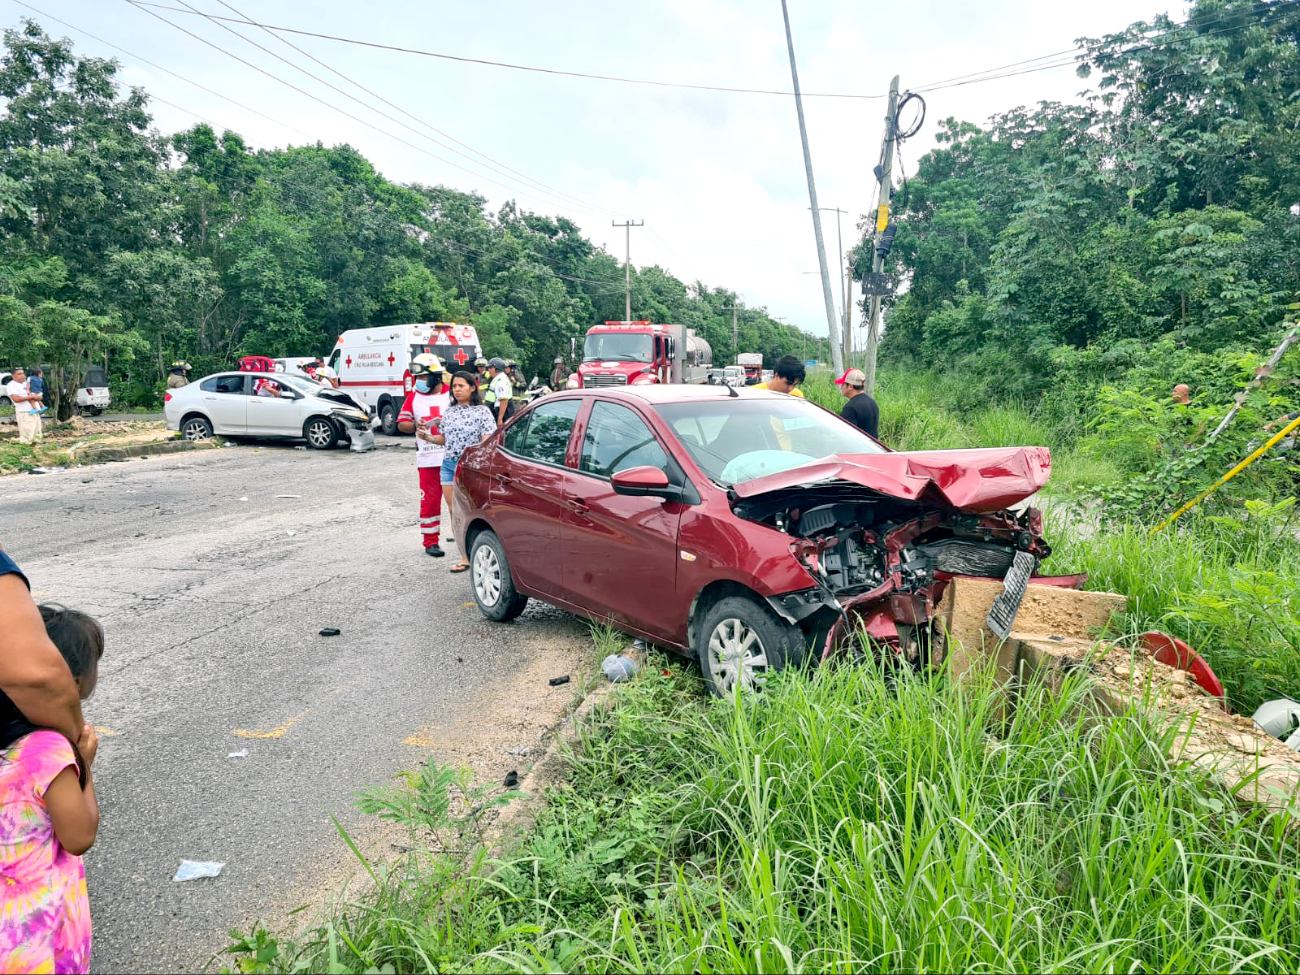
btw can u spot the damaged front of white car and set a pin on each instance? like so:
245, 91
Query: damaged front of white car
354, 419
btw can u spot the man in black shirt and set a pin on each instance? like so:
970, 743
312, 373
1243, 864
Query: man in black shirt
860, 410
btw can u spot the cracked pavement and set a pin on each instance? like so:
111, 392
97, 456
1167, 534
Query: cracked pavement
212, 611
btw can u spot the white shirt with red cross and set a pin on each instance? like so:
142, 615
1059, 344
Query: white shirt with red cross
426, 406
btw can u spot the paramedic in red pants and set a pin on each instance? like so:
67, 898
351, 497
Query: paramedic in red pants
422, 414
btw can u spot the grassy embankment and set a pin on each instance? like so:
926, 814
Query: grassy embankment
855, 823
845, 824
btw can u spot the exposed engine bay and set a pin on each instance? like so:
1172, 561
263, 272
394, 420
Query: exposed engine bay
882, 564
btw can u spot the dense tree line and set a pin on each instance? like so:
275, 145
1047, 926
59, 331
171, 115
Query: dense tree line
1065, 246
123, 245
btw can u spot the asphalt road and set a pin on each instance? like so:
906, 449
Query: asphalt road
212, 591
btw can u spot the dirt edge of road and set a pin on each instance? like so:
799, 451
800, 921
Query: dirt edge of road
497, 717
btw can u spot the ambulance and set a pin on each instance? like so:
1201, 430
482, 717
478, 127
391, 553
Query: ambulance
373, 364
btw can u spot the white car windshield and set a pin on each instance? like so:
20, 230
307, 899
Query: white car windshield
618, 347
738, 439
304, 386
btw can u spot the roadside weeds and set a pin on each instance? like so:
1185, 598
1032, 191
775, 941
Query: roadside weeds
861, 819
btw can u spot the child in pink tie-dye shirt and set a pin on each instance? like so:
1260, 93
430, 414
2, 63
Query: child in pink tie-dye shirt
48, 818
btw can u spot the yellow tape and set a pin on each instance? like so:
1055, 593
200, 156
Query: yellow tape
1277, 438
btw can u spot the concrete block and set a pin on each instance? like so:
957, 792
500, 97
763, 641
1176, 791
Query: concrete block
1237, 754
1048, 610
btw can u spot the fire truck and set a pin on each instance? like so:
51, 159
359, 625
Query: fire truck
640, 353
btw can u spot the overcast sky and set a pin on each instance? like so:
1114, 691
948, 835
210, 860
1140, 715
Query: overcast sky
717, 177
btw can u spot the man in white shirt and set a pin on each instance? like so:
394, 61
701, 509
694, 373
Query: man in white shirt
25, 407
502, 391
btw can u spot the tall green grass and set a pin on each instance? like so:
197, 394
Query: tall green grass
845, 824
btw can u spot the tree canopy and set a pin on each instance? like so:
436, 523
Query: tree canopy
1159, 213
123, 245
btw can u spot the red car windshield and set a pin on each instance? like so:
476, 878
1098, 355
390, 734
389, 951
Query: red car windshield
734, 440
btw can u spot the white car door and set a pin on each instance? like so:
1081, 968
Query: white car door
225, 401
275, 416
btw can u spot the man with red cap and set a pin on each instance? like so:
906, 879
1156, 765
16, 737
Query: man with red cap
860, 410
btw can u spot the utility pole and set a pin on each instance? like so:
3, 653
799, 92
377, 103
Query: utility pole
848, 317
735, 332
847, 338
628, 264
882, 221
812, 198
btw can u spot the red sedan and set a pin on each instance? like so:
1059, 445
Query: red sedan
747, 528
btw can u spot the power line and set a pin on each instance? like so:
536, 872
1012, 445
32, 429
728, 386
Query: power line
159, 67
575, 202
321, 101
512, 66
414, 118
1084, 54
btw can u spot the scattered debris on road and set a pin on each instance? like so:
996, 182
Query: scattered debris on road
512, 779
557, 681
242, 753
278, 496
330, 631
618, 668
196, 870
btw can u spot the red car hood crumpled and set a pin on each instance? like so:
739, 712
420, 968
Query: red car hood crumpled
976, 480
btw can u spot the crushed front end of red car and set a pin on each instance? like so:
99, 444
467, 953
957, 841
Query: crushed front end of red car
884, 534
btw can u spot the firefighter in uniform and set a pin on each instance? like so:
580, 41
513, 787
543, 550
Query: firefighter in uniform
480, 373
421, 414
177, 378
520, 398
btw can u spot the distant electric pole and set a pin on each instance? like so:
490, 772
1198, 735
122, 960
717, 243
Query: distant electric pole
882, 221
836, 360
627, 314
845, 279
735, 332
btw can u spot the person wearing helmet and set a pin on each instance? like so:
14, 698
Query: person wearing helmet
516, 377
480, 373
177, 377
421, 414
559, 375
500, 388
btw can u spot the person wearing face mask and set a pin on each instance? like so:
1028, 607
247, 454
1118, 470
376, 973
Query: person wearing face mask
421, 414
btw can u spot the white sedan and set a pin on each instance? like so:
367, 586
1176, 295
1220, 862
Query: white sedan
242, 404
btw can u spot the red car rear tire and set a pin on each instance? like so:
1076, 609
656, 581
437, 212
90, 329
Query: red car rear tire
489, 576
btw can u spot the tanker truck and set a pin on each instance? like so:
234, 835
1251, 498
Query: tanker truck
640, 353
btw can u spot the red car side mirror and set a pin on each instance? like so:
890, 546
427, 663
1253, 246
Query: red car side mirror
642, 482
